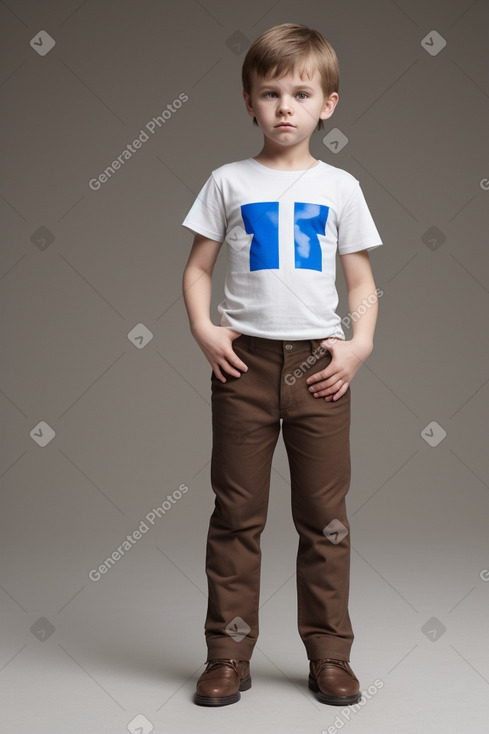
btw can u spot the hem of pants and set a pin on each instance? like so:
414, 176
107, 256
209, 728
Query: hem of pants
221, 648
327, 646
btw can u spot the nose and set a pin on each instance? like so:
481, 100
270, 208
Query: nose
284, 104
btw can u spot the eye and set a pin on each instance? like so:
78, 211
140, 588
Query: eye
301, 95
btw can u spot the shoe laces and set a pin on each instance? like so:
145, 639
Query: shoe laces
222, 661
321, 664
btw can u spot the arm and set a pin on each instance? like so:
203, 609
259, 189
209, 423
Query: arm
214, 341
332, 382
362, 300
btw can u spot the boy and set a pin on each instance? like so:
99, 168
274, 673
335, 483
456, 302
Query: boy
280, 357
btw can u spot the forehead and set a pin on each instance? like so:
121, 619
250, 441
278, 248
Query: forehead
306, 77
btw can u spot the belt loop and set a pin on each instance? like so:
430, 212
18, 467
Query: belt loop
313, 345
252, 343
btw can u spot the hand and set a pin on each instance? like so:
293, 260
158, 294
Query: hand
332, 382
216, 343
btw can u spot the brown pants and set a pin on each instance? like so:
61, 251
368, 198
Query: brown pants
246, 413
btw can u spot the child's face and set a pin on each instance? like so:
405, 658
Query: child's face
300, 103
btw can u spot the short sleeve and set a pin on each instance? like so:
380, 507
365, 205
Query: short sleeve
356, 229
207, 215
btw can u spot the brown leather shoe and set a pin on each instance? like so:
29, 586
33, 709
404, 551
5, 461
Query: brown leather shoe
222, 681
334, 682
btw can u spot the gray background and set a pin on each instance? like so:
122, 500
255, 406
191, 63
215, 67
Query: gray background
82, 268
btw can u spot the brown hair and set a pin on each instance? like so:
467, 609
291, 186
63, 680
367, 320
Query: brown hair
283, 48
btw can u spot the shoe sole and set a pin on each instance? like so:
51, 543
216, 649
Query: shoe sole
244, 685
333, 700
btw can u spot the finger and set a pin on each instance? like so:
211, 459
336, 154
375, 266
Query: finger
230, 370
341, 391
324, 384
238, 362
314, 378
235, 360
336, 395
321, 392
218, 373
322, 375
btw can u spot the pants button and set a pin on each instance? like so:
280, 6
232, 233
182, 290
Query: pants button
289, 346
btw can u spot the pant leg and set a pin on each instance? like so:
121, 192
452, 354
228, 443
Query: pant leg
316, 436
245, 428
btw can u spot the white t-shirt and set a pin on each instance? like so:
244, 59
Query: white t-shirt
282, 230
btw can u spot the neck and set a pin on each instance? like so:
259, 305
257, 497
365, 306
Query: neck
287, 159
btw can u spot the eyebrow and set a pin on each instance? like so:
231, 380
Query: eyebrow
272, 84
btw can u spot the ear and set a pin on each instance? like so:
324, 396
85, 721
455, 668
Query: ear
249, 107
329, 106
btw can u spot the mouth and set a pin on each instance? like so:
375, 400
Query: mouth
284, 124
